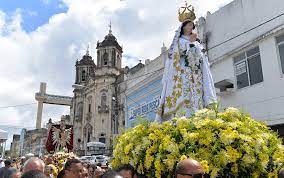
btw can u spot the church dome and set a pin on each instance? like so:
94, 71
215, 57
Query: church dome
109, 40
86, 60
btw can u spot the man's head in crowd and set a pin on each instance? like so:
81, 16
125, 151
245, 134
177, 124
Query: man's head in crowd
34, 164
281, 173
16, 174
189, 168
111, 174
48, 160
126, 171
99, 164
8, 163
61, 174
85, 173
33, 174
73, 168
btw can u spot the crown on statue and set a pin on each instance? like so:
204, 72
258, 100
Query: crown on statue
186, 13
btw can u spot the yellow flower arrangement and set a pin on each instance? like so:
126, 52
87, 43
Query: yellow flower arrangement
227, 144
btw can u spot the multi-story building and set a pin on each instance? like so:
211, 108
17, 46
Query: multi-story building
245, 43
97, 110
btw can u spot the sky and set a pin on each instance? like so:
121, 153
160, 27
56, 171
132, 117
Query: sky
40, 41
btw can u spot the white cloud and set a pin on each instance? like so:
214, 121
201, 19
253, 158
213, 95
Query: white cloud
49, 53
2, 21
31, 13
46, 2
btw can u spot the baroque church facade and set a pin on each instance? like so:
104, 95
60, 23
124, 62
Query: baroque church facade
97, 109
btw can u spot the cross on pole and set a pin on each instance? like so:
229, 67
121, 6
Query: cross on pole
109, 27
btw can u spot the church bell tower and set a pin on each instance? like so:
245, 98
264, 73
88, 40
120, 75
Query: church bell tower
109, 52
84, 68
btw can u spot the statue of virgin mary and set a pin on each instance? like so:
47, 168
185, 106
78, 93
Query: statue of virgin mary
187, 81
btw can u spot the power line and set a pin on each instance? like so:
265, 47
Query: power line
143, 75
20, 105
261, 101
14, 126
3, 107
139, 104
246, 31
153, 93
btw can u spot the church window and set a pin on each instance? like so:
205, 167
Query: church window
79, 112
102, 140
90, 106
105, 59
103, 99
113, 57
280, 43
88, 132
83, 75
89, 137
89, 103
98, 56
248, 68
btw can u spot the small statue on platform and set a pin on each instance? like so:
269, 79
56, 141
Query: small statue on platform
60, 138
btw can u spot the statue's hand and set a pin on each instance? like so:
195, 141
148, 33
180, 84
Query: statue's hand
193, 37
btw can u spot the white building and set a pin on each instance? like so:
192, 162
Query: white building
245, 42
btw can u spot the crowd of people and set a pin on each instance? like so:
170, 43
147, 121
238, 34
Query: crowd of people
53, 167
71, 167
50, 167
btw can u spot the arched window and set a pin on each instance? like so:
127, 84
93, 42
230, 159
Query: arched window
105, 59
103, 99
83, 75
79, 112
88, 132
98, 56
89, 104
113, 57
118, 59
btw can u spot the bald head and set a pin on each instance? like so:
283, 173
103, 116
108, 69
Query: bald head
281, 173
187, 167
33, 164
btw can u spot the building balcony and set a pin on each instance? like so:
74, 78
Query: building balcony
225, 86
103, 109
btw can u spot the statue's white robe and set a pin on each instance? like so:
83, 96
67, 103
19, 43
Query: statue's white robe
186, 88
